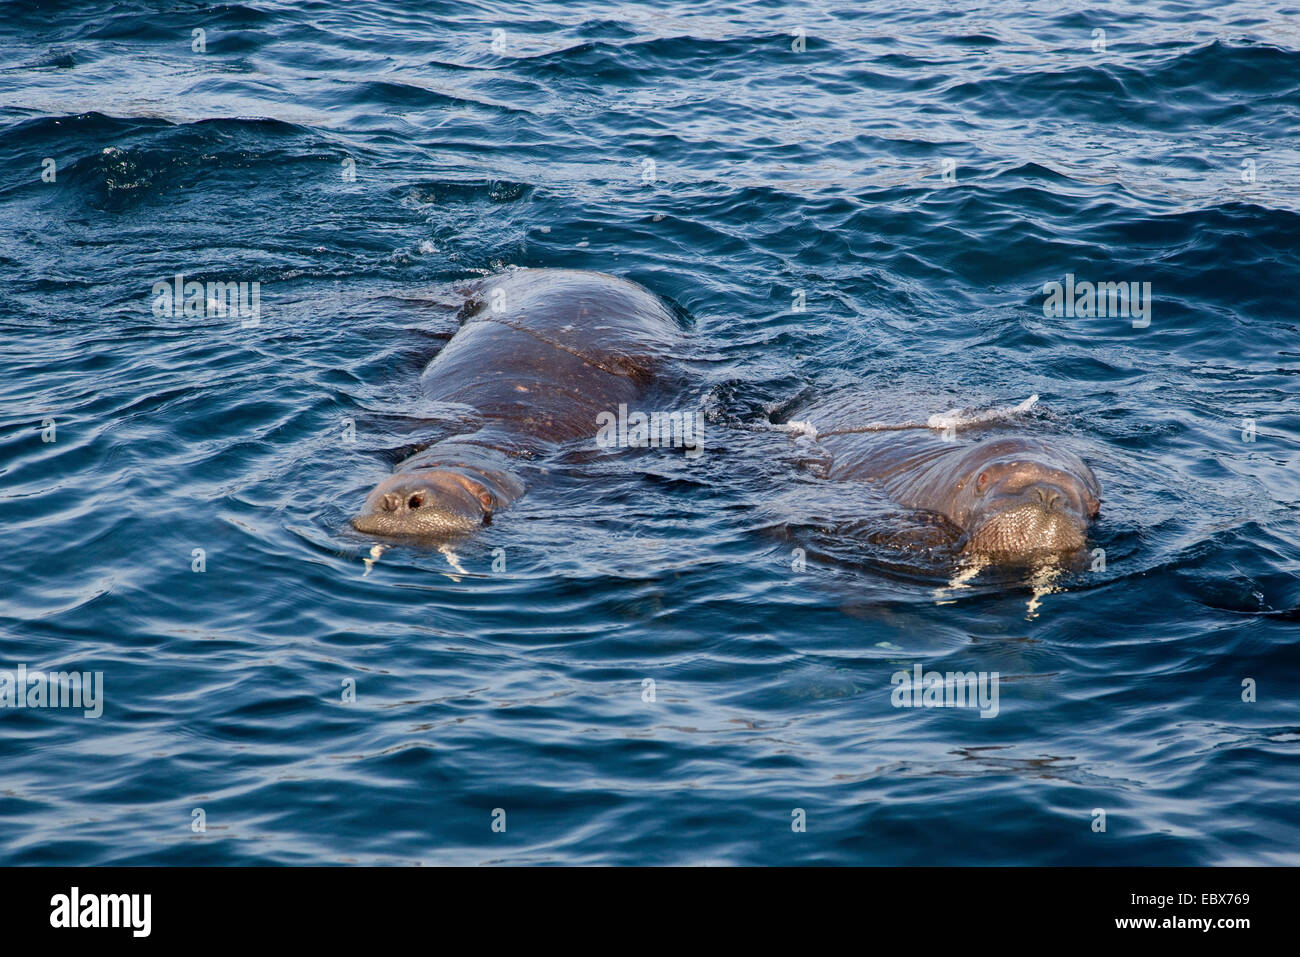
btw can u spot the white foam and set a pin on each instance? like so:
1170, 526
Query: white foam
801, 428
957, 418
953, 419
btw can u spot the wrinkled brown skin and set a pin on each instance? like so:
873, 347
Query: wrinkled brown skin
1015, 497
541, 353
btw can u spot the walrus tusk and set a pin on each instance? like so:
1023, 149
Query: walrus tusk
969, 567
453, 560
375, 552
1043, 584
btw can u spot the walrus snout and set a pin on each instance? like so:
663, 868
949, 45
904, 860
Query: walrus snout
427, 504
1021, 500
1046, 511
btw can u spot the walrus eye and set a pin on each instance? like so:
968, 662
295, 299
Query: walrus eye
984, 477
416, 500
487, 500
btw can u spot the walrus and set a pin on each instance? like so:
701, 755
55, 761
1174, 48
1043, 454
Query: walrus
540, 354
1011, 496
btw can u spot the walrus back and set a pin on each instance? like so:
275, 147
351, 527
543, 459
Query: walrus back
543, 352
899, 462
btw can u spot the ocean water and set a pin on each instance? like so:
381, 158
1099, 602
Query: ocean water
839, 199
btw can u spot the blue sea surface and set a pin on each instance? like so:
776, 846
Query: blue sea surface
656, 659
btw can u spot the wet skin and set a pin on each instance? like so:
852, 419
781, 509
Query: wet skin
540, 355
436, 503
1014, 497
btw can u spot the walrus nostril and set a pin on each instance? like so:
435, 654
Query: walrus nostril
390, 502
1049, 497
416, 500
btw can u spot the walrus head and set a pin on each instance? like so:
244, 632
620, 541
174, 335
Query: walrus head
1021, 498
435, 503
